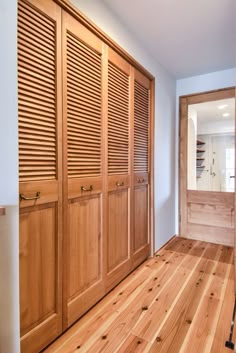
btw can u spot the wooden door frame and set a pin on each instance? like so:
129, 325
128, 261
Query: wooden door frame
184, 102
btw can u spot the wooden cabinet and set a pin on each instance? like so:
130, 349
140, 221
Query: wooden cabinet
40, 171
85, 164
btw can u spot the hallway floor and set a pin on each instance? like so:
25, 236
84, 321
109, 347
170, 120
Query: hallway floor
179, 301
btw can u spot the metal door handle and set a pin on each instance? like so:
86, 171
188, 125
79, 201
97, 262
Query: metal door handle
85, 189
120, 184
23, 197
141, 180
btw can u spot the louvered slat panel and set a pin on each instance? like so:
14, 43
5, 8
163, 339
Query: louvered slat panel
118, 121
83, 109
141, 128
37, 107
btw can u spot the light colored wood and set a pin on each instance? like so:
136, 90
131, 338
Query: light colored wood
118, 182
141, 179
76, 187
37, 270
120, 62
204, 215
165, 305
2, 211
85, 285
209, 96
198, 231
141, 167
88, 153
118, 114
118, 230
40, 155
83, 193
141, 238
118, 169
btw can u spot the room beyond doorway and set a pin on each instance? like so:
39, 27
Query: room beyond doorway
207, 166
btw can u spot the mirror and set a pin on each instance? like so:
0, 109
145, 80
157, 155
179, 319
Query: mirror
211, 146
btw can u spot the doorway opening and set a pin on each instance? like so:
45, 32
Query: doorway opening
207, 166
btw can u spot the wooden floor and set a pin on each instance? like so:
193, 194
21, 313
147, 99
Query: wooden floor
181, 300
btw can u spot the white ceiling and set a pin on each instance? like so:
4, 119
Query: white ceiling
210, 112
188, 37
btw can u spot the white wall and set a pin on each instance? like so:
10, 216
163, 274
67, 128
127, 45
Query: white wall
192, 137
196, 84
9, 267
164, 117
216, 127
208, 82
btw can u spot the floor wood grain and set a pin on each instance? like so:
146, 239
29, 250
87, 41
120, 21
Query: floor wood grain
179, 301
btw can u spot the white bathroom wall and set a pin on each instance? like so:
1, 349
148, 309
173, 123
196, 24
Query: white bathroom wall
9, 254
196, 84
164, 115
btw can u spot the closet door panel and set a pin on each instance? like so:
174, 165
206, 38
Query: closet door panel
83, 192
118, 168
38, 266
40, 175
140, 217
118, 229
141, 167
85, 253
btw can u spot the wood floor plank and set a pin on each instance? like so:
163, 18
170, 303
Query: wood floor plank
201, 335
106, 311
223, 325
178, 301
175, 329
133, 344
134, 312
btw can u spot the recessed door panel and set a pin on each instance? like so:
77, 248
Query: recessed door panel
84, 244
141, 238
118, 229
38, 277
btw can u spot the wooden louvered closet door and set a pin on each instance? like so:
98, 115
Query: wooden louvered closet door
141, 168
118, 169
83, 168
39, 64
